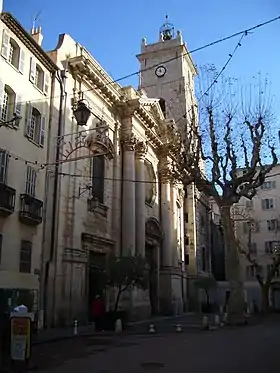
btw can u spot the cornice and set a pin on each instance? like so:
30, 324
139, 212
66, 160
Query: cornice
84, 67
28, 41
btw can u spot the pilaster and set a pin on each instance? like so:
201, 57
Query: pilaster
128, 194
140, 189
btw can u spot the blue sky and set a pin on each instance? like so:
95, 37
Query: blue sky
112, 30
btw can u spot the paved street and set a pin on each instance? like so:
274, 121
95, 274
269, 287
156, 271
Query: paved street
252, 348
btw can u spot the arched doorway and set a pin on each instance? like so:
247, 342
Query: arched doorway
154, 238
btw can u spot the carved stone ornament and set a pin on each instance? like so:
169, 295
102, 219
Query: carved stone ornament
165, 172
129, 142
141, 149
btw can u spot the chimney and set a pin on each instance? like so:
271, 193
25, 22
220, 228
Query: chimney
37, 35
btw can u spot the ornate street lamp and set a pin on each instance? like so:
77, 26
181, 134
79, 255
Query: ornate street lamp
81, 113
12, 123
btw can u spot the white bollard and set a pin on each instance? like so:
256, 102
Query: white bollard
205, 324
217, 320
225, 317
152, 329
118, 326
178, 328
75, 327
221, 309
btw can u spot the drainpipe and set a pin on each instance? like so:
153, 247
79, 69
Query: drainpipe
45, 218
61, 79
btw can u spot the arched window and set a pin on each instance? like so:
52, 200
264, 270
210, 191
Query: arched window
163, 106
98, 173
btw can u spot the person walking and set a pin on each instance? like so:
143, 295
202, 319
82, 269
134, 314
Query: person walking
98, 311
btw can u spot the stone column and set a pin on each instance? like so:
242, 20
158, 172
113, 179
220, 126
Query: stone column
176, 228
140, 189
128, 195
166, 221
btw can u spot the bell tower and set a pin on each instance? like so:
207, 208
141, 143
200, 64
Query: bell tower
168, 71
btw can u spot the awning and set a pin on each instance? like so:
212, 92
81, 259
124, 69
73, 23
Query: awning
17, 280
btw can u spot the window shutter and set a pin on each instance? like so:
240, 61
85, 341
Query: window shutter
1, 97
46, 83
30, 181
32, 73
28, 119
33, 181
4, 159
5, 44
27, 183
42, 131
21, 61
18, 106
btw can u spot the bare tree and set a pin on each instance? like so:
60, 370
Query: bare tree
264, 278
228, 132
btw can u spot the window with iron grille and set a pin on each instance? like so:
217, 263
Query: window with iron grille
4, 157
25, 256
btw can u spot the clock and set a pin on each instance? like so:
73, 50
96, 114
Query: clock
160, 71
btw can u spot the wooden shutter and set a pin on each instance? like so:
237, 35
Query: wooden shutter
42, 131
32, 73
1, 97
46, 86
28, 118
4, 159
5, 44
30, 185
21, 61
18, 106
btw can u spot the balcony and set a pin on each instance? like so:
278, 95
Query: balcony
7, 200
31, 210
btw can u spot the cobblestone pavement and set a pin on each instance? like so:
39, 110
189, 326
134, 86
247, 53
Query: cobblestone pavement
246, 349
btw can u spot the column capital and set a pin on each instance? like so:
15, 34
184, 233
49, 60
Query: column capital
141, 149
129, 141
165, 174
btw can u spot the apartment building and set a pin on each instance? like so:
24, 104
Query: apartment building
258, 229
26, 74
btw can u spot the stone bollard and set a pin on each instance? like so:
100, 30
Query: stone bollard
225, 317
217, 320
205, 325
178, 328
75, 327
152, 329
118, 326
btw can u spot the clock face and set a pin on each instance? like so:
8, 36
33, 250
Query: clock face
160, 71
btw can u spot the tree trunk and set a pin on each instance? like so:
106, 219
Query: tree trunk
118, 299
265, 298
236, 303
207, 297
